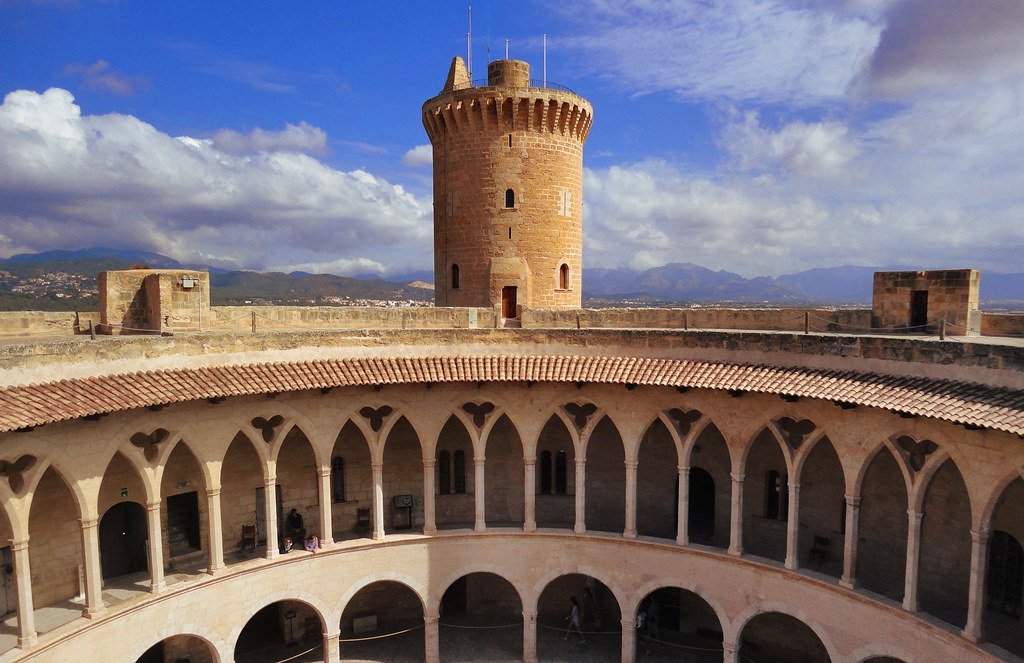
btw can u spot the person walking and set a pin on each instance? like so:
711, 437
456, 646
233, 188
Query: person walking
575, 620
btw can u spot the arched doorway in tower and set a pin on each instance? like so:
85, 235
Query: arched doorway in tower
123, 540
1004, 582
556, 476
882, 530
481, 618
677, 625
944, 570
243, 520
765, 498
184, 514
383, 622
605, 479
504, 504
299, 482
454, 478
55, 543
822, 510
403, 478
774, 636
710, 497
600, 616
351, 485
657, 504
176, 648
279, 631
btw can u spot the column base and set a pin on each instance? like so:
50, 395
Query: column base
792, 564
529, 527
156, 588
579, 530
681, 541
378, 536
430, 531
479, 527
272, 553
28, 641
629, 534
735, 552
94, 613
911, 606
969, 635
848, 583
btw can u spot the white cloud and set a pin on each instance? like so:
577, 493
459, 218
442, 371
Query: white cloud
816, 149
302, 137
420, 156
100, 77
100, 180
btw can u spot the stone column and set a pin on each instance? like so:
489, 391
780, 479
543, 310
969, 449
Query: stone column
332, 647
270, 511
793, 528
156, 548
736, 516
326, 507
378, 500
910, 602
849, 579
683, 507
431, 639
581, 496
530, 493
529, 637
93, 571
628, 641
730, 652
23, 585
216, 530
630, 531
976, 595
479, 495
429, 505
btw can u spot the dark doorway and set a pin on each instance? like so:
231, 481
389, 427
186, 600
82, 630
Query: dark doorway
453, 603
701, 505
1005, 574
919, 310
154, 654
123, 540
508, 301
183, 523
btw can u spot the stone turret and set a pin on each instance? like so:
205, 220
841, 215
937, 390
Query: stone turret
508, 190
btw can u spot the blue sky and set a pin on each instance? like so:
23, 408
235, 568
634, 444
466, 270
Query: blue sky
758, 136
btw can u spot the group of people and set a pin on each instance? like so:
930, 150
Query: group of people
296, 531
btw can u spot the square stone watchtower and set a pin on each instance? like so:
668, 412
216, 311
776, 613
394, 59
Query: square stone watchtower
920, 302
136, 301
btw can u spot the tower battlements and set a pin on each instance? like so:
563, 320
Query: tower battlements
508, 189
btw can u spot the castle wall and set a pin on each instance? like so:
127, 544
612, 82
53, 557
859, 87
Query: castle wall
949, 296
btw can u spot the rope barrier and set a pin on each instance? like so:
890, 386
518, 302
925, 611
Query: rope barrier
673, 644
379, 637
479, 627
292, 658
563, 628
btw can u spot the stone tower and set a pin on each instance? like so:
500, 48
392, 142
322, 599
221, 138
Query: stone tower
508, 185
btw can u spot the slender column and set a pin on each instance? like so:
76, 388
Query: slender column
628, 641
326, 507
378, 500
976, 595
683, 507
270, 509
630, 531
530, 493
730, 652
529, 637
23, 584
429, 506
216, 530
479, 495
793, 528
332, 647
581, 496
431, 639
736, 516
910, 601
156, 548
93, 570
849, 579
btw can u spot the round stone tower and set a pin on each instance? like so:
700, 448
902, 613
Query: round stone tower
508, 185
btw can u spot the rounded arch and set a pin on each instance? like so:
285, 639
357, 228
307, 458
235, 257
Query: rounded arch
438, 589
411, 583
621, 595
144, 644
752, 612
686, 584
309, 601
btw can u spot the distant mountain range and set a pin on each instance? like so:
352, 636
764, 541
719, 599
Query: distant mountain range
672, 283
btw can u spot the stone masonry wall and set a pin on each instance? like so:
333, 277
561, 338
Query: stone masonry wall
952, 298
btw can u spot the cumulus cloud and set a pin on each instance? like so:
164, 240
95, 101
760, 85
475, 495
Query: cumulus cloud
115, 180
770, 51
99, 77
815, 149
302, 137
421, 156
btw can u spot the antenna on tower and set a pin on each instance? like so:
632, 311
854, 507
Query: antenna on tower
469, 44
544, 51
506, 49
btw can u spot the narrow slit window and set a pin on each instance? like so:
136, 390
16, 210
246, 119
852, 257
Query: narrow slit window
510, 141
776, 502
510, 232
563, 277
510, 198
455, 277
337, 479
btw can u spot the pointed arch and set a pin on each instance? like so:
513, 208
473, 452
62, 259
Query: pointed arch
556, 479
945, 557
402, 457
605, 478
657, 503
504, 471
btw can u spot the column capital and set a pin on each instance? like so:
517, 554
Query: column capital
794, 487
915, 516
730, 647
529, 616
270, 481
737, 477
981, 536
529, 460
628, 623
580, 462
429, 462
213, 492
153, 506
479, 461
325, 472
852, 501
19, 545
88, 523
376, 466
431, 619
632, 464
684, 470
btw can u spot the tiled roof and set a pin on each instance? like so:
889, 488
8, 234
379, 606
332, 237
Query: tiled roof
958, 402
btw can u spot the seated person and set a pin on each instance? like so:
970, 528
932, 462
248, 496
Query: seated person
294, 526
312, 543
286, 546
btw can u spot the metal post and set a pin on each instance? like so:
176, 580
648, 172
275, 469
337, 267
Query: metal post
807, 322
942, 331
92, 331
254, 322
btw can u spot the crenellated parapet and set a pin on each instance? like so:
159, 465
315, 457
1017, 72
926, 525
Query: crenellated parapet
500, 110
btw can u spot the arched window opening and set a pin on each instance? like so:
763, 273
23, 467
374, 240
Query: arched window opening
563, 277
545, 473
337, 479
444, 473
1005, 574
460, 471
560, 473
455, 277
776, 500
510, 198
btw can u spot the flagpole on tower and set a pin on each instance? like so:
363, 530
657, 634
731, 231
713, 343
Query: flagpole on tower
469, 45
